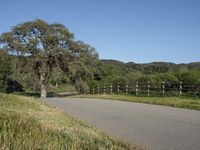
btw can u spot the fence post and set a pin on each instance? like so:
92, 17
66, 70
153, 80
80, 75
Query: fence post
180, 88
136, 88
104, 89
111, 88
163, 88
98, 89
118, 87
126, 87
148, 90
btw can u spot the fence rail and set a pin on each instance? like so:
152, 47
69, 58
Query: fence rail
148, 88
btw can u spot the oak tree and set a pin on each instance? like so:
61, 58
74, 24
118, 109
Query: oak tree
46, 46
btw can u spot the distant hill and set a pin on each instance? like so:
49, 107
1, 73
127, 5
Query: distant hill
160, 67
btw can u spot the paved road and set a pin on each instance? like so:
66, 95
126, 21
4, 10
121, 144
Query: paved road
153, 127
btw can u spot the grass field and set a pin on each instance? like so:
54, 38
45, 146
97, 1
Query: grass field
63, 88
27, 123
179, 102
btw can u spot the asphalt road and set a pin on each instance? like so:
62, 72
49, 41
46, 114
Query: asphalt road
150, 126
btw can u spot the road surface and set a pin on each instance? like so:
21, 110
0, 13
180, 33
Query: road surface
150, 126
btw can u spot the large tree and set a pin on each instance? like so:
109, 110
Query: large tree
46, 46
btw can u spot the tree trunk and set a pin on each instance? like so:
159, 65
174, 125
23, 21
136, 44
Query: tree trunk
56, 84
43, 86
79, 85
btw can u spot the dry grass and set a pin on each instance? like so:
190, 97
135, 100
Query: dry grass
26, 123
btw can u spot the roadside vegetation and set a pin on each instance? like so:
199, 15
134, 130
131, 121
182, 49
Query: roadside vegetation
179, 102
26, 123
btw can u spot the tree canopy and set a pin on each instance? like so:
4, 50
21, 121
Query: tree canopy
47, 46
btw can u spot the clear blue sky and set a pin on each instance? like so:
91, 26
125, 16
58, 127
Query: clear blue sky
127, 30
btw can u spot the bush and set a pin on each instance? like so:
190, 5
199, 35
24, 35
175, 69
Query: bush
5, 68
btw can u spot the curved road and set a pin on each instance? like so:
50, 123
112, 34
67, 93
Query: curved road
150, 126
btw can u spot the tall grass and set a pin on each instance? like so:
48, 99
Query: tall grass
26, 123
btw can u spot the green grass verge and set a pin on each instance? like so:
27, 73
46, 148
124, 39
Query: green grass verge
63, 88
27, 123
179, 102
60, 91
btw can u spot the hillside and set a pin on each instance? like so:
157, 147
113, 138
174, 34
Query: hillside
26, 123
154, 66
156, 72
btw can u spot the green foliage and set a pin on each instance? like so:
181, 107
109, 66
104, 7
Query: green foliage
58, 77
167, 77
22, 73
43, 47
156, 72
5, 70
191, 76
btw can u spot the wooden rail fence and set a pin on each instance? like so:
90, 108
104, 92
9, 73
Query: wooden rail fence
148, 88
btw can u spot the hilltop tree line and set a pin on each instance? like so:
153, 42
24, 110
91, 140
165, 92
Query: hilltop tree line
113, 71
37, 54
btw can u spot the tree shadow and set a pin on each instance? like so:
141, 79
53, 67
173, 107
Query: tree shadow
60, 95
14, 86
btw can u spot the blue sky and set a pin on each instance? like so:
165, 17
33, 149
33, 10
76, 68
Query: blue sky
127, 30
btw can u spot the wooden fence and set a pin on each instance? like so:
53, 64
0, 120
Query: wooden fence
148, 89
